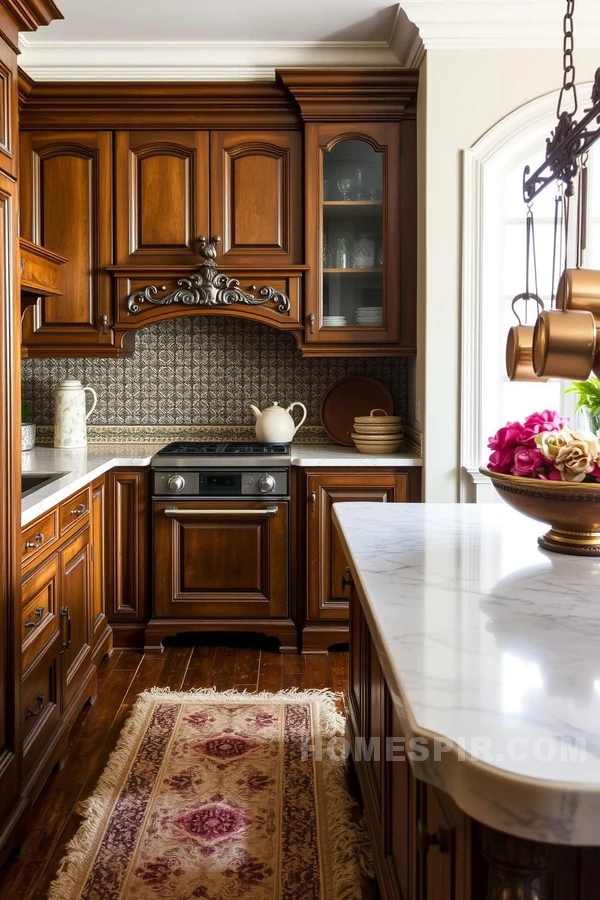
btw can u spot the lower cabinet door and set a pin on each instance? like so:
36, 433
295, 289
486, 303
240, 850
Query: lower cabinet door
327, 594
98, 561
397, 792
40, 704
220, 559
75, 575
436, 842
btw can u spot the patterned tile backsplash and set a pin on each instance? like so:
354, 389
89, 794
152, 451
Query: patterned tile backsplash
203, 370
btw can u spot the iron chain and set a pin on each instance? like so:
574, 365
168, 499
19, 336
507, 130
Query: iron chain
568, 63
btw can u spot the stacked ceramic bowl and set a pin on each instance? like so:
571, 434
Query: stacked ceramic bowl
369, 315
378, 432
334, 321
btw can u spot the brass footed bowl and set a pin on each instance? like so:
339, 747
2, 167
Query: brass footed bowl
571, 509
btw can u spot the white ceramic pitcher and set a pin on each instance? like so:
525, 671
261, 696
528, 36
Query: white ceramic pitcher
70, 416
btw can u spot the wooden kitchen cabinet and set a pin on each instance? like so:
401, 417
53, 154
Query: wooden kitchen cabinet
66, 207
127, 554
228, 161
421, 842
256, 202
76, 647
327, 596
64, 631
8, 110
161, 196
353, 207
99, 626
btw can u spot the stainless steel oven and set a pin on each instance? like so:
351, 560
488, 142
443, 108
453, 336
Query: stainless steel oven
220, 524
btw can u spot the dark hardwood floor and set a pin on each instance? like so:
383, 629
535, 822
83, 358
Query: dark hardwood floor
122, 676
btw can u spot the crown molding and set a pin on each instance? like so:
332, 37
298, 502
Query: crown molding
190, 60
31, 14
141, 105
337, 94
500, 24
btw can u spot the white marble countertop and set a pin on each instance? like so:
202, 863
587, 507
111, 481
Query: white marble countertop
335, 455
79, 467
491, 649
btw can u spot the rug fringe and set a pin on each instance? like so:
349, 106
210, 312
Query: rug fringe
245, 696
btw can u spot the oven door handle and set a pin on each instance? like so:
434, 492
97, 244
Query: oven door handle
267, 511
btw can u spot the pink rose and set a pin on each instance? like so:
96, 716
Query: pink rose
507, 437
527, 462
547, 420
501, 461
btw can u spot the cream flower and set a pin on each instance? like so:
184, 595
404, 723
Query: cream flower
575, 460
550, 442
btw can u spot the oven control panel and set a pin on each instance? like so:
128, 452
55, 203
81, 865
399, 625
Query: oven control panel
221, 483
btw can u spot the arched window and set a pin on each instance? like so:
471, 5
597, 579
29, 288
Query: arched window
494, 271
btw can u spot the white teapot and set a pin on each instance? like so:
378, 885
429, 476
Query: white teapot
70, 416
274, 425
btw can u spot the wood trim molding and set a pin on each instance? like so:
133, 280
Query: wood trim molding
336, 95
31, 14
153, 105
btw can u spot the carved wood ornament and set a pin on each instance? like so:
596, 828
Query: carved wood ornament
207, 287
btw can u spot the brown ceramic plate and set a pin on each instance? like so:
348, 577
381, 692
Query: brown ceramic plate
355, 395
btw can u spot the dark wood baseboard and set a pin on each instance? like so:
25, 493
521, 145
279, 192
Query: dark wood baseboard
319, 638
104, 646
129, 636
282, 629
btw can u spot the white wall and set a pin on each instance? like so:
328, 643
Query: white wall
463, 93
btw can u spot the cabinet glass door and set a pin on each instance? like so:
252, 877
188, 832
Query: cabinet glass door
353, 234
352, 229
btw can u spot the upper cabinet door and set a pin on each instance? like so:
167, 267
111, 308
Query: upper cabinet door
353, 213
8, 110
161, 196
66, 206
255, 179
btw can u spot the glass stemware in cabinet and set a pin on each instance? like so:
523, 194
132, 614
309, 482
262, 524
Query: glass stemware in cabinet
345, 186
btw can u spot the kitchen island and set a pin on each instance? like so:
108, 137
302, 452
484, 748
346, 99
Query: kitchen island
474, 703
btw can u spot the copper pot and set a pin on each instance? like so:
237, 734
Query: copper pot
519, 354
564, 344
579, 289
519, 345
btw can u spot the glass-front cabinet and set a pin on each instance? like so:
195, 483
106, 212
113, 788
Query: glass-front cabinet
353, 290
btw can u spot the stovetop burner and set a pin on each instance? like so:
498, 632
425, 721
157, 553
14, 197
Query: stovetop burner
226, 448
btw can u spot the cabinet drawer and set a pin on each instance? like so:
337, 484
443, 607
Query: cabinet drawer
37, 537
74, 510
39, 611
40, 707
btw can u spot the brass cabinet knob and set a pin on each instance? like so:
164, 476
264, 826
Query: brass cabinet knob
425, 840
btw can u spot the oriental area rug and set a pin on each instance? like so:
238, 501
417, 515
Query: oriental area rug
220, 796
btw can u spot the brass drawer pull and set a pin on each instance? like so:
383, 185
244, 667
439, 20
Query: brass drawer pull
65, 614
22, 265
346, 578
313, 500
39, 613
78, 511
268, 511
40, 705
37, 540
441, 839
311, 322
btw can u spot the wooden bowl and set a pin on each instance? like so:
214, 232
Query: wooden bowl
571, 509
378, 430
376, 445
